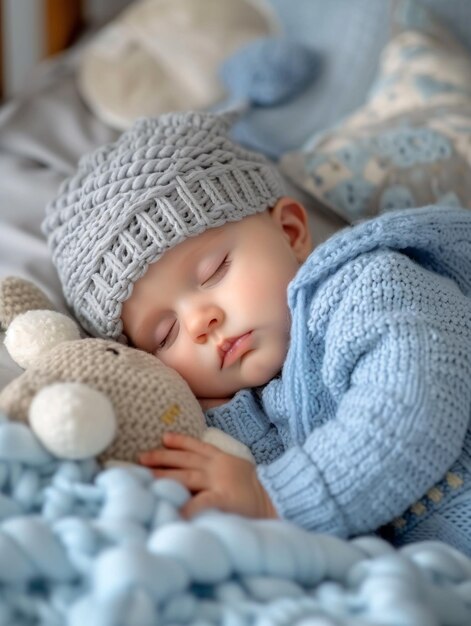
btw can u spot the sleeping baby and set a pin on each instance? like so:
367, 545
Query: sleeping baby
346, 369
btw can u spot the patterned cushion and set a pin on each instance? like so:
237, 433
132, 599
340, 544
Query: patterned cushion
410, 144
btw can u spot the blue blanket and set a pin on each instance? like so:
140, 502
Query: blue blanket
85, 546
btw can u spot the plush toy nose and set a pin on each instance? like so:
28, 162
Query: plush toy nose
34, 333
73, 420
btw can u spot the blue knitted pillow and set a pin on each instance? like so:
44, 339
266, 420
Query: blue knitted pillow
410, 144
270, 70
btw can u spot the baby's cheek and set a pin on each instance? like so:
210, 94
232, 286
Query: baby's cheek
263, 365
173, 357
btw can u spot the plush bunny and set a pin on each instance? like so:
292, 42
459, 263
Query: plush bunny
89, 397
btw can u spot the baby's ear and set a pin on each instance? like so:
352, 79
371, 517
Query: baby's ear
32, 326
291, 217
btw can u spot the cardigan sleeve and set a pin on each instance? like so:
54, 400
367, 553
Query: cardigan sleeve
397, 362
243, 418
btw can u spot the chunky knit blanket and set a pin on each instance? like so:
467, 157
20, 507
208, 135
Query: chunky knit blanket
83, 546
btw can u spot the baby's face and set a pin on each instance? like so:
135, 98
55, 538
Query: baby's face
214, 308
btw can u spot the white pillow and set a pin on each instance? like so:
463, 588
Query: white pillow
163, 55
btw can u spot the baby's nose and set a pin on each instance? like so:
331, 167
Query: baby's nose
204, 321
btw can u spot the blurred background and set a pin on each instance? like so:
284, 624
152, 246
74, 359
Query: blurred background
31, 30
311, 79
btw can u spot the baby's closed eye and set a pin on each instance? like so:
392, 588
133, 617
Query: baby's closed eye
218, 273
167, 334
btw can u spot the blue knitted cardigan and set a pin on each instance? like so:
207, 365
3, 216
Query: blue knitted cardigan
370, 413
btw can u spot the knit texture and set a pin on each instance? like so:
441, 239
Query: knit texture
245, 420
374, 400
270, 70
19, 296
166, 179
109, 548
148, 398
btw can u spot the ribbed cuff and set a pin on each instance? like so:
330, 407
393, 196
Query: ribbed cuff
244, 419
298, 492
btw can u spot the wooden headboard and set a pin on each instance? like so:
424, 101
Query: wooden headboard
63, 22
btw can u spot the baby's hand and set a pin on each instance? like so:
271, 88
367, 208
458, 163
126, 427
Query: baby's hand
216, 479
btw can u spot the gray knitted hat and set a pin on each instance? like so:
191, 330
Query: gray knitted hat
166, 179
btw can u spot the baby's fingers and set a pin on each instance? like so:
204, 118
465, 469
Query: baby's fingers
201, 502
193, 480
185, 442
162, 457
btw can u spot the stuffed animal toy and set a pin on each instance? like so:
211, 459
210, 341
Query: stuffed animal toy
91, 397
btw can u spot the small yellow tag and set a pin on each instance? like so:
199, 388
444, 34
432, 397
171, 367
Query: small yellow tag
170, 415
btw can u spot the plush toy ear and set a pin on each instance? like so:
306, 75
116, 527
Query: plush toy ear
32, 327
17, 296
